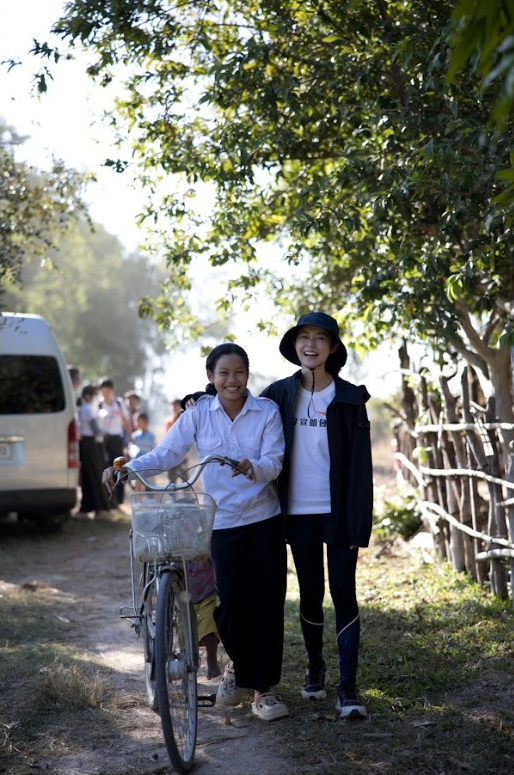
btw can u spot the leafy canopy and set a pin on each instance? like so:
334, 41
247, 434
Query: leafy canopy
35, 207
328, 127
483, 39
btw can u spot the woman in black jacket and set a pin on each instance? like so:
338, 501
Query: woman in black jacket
326, 494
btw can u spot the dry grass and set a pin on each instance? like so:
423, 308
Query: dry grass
67, 688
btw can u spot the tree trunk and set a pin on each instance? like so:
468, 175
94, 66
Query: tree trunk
500, 368
406, 441
436, 490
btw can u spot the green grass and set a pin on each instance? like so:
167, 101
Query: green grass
436, 674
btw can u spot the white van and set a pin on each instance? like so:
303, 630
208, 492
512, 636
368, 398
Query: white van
39, 451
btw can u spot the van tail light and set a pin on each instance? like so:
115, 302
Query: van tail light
73, 444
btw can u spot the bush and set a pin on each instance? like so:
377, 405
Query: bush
398, 516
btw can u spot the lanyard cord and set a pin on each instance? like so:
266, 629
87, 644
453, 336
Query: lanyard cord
312, 405
311, 401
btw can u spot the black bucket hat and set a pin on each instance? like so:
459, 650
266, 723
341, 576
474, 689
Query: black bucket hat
335, 360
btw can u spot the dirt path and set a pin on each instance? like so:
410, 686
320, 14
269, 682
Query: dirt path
87, 566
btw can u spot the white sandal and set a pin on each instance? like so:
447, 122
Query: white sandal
268, 708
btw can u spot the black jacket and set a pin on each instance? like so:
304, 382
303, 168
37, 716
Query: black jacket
349, 443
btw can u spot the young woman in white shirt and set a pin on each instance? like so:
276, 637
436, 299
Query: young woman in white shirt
248, 547
94, 497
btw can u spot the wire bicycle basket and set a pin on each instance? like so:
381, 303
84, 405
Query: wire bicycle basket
171, 524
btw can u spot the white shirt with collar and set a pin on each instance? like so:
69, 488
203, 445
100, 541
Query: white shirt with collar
256, 433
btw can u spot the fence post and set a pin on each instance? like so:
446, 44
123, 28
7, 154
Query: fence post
496, 524
454, 449
435, 488
475, 450
509, 515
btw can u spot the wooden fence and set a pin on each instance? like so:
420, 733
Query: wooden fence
463, 467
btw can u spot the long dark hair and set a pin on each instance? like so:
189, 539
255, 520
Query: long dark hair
335, 360
227, 348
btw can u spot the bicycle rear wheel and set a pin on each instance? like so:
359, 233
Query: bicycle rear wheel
175, 670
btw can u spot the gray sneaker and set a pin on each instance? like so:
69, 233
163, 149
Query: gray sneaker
349, 703
229, 693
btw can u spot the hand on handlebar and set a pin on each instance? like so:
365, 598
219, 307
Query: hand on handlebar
109, 479
112, 474
244, 468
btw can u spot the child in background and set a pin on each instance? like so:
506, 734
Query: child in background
116, 427
143, 439
176, 411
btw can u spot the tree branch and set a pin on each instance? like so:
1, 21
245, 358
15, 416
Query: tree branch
474, 337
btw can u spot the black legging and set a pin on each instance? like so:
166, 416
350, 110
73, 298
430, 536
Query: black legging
250, 566
94, 494
305, 534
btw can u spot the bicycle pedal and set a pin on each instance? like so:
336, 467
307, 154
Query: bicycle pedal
206, 700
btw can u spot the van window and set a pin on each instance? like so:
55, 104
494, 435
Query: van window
30, 384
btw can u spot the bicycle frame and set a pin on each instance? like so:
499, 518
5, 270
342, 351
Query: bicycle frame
122, 464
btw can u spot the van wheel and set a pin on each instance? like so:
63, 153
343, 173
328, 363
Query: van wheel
46, 523
52, 523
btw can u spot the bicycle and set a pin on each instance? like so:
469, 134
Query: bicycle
171, 524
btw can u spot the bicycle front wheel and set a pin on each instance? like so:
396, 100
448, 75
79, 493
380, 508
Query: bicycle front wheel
175, 670
148, 618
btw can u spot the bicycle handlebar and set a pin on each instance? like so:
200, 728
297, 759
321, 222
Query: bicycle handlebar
122, 466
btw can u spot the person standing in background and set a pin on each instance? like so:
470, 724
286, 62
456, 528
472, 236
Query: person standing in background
94, 497
74, 373
115, 425
176, 411
132, 403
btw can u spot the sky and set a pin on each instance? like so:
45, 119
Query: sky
66, 123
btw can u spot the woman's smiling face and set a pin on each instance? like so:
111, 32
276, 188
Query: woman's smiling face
313, 345
230, 378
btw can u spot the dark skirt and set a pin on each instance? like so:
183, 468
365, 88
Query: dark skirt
250, 567
94, 494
